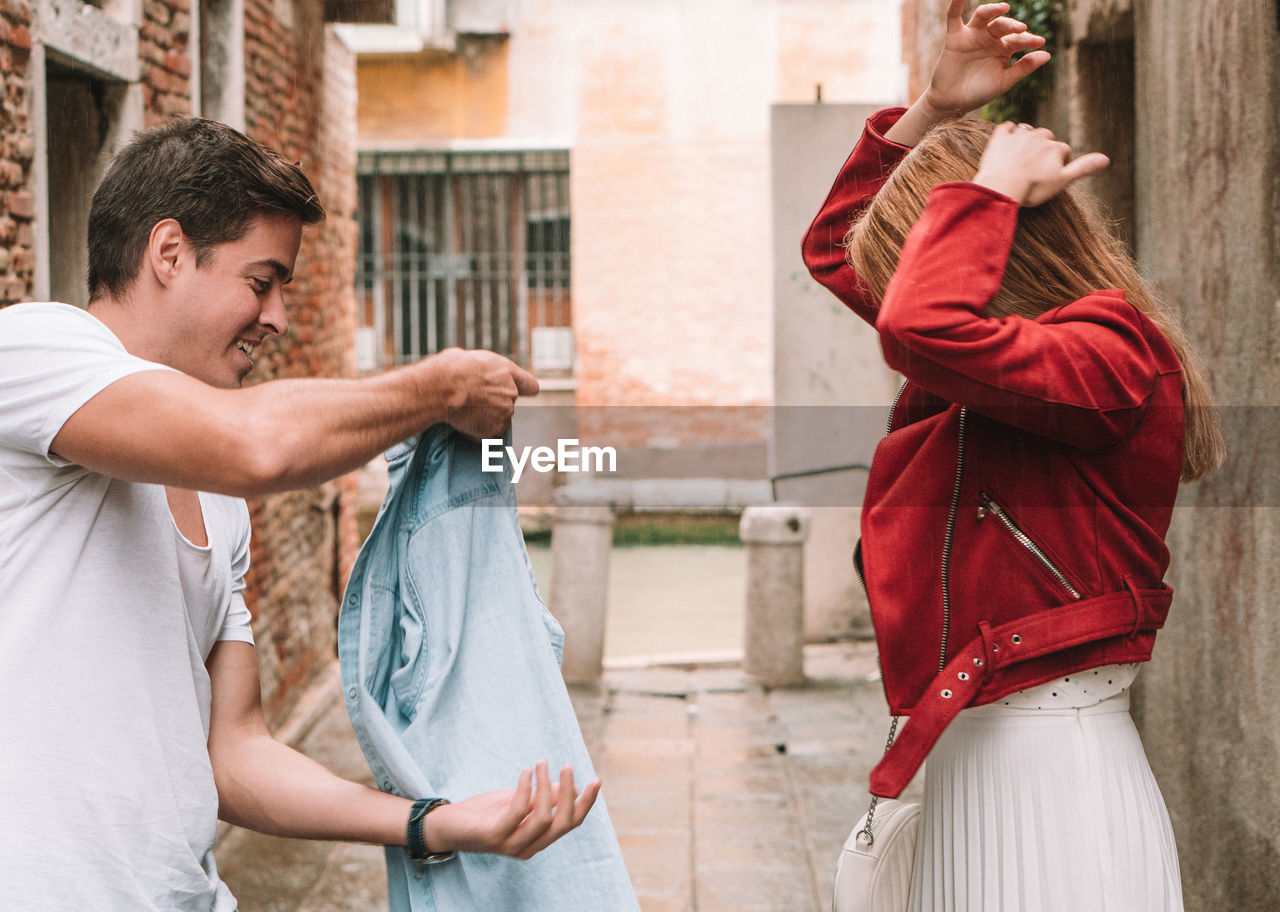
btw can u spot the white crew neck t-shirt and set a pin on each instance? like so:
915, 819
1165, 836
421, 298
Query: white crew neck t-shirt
107, 799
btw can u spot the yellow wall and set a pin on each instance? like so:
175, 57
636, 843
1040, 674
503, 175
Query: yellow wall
433, 96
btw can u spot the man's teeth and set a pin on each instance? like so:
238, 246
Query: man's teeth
246, 348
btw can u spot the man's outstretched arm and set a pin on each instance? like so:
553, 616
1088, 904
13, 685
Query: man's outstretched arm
163, 427
267, 786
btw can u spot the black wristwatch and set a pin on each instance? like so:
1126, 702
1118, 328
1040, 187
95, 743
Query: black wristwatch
415, 837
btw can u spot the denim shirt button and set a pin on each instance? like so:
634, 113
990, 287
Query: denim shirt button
352, 599
386, 785
352, 693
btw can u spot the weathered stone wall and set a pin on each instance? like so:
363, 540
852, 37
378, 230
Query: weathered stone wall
1196, 183
923, 31
1208, 199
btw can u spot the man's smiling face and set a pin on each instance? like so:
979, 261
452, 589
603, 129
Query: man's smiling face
228, 305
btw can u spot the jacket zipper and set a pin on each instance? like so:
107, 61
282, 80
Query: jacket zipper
990, 506
947, 540
888, 427
951, 526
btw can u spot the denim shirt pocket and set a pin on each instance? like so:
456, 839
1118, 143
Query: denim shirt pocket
382, 639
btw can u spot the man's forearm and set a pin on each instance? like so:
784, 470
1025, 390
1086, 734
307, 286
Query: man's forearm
167, 428
315, 430
163, 427
269, 787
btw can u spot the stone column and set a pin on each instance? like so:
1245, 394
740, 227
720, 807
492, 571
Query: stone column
581, 538
773, 653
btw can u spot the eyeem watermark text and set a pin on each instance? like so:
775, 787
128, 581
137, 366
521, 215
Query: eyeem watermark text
567, 456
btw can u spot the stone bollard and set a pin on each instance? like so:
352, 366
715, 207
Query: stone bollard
581, 538
773, 654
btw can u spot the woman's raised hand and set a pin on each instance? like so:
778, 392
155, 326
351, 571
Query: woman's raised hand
1030, 166
973, 69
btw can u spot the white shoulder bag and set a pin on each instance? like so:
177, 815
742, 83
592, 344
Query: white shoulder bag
876, 863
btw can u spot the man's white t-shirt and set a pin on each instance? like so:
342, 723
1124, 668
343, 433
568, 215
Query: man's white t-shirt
107, 615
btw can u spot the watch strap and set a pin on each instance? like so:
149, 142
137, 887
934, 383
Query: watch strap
415, 833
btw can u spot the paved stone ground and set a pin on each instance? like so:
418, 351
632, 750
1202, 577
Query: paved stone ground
726, 797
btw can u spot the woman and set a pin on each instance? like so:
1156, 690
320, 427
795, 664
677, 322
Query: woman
1013, 528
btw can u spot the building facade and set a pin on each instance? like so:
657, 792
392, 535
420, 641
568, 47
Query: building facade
630, 150
599, 182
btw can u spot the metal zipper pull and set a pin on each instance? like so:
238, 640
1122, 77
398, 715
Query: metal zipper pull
987, 504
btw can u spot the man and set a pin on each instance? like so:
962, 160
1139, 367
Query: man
131, 716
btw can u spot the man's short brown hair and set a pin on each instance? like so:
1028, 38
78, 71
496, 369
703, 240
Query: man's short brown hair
210, 178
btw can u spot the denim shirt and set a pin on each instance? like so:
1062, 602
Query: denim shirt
450, 670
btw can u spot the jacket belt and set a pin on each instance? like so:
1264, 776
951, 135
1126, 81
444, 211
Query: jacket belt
1126, 613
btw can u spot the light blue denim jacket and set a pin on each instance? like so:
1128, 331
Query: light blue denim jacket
450, 670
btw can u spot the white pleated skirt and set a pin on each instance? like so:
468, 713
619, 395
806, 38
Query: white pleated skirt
1050, 809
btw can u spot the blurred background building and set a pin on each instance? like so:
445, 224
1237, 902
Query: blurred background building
593, 188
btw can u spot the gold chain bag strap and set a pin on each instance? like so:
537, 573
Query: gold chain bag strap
876, 863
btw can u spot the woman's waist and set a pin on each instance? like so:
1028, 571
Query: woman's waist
1044, 645
1092, 692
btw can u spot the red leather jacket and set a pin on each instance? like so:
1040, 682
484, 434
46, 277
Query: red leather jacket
1014, 521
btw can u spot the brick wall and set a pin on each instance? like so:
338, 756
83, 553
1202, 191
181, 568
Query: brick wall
300, 99
17, 148
163, 51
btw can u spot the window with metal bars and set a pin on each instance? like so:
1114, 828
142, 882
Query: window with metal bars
465, 248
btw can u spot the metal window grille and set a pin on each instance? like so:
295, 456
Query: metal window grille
461, 248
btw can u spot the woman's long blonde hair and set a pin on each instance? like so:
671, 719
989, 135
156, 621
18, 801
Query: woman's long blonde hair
1062, 250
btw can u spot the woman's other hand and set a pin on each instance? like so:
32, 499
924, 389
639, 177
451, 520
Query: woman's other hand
973, 69
1030, 166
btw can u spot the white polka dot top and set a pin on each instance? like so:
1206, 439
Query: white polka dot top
1077, 690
